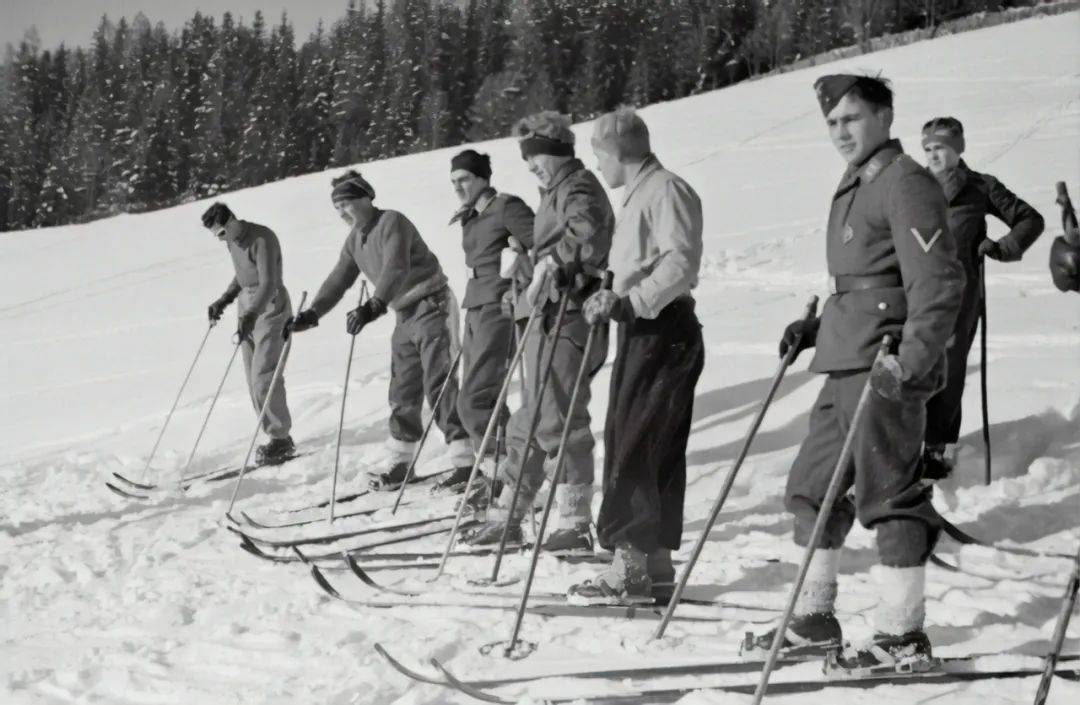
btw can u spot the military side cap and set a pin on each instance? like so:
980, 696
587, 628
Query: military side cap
830, 89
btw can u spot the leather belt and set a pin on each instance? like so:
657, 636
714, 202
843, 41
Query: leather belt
473, 273
846, 282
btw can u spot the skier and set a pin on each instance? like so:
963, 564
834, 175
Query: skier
263, 311
571, 238
971, 197
386, 247
655, 258
488, 220
894, 270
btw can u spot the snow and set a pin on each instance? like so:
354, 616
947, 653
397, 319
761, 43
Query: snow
106, 601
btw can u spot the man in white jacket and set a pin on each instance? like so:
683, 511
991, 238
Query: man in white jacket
655, 257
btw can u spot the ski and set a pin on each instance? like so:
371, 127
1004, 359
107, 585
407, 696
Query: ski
130, 489
251, 547
951, 670
331, 538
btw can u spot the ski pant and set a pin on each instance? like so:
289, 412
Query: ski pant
944, 408
422, 349
648, 424
884, 469
489, 335
261, 352
539, 456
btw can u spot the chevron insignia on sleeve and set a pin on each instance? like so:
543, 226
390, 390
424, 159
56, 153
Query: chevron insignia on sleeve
925, 245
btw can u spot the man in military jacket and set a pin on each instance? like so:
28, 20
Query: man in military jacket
894, 271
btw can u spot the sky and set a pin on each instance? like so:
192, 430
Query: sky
73, 21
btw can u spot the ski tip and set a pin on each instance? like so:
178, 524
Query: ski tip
323, 583
300, 554
126, 495
356, 569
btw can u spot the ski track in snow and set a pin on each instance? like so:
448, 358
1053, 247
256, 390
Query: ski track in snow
108, 601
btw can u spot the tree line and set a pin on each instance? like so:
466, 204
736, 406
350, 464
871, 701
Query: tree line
145, 117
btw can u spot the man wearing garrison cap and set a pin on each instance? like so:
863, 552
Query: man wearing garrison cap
489, 222
894, 271
571, 238
264, 309
386, 248
971, 197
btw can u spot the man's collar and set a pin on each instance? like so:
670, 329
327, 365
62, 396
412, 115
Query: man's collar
478, 205
869, 169
366, 229
644, 170
572, 165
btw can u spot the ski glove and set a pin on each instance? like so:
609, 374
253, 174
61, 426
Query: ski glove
301, 322
216, 309
887, 377
808, 329
1065, 265
542, 281
605, 305
246, 325
1003, 250
363, 314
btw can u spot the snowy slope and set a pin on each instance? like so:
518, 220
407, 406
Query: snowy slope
104, 601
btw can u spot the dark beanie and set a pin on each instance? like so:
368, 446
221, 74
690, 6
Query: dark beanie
944, 130
473, 162
830, 89
351, 185
216, 215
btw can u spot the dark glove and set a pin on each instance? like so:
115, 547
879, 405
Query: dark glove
887, 377
363, 314
214, 311
246, 325
301, 322
808, 329
1003, 250
1065, 265
565, 275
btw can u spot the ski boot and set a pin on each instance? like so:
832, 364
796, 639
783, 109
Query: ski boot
277, 451
884, 654
490, 534
454, 481
935, 464
808, 637
577, 539
625, 582
481, 493
662, 574
390, 480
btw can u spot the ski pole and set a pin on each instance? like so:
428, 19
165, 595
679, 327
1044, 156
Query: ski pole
556, 475
341, 418
206, 421
819, 527
492, 422
534, 422
983, 370
1068, 603
427, 429
517, 338
168, 418
789, 357
262, 412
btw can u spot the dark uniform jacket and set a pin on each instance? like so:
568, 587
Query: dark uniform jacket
256, 257
392, 255
888, 218
486, 227
574, 212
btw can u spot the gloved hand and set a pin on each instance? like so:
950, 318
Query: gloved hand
887, 376
606, 305
363, 314
1003, 250
1065, 265
246, 325
542, 280
507, 303
809, 331
214, 311
301, 322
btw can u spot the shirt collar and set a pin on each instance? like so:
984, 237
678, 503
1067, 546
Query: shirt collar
477, 206
872, 166
647, 168
564, 172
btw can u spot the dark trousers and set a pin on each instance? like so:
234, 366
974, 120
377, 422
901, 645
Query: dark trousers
944, 408
422, 348
648, 424
884, 469
489, 335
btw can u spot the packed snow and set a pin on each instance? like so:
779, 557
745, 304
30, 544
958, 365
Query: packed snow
111, 601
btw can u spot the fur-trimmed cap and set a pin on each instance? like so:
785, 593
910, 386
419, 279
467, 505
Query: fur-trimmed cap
546, 132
